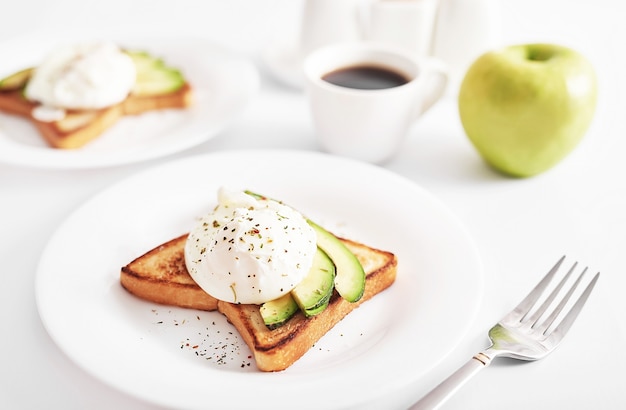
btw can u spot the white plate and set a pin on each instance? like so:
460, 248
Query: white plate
223, 84
188, 359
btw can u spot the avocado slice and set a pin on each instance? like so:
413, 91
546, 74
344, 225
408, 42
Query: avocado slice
350, 276
278, 311
154, 77
144, 61
158, 81
16, 80
317, 310
311, 296
316, 288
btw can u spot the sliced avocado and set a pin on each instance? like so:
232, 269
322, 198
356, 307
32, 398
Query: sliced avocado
144, 61
316, 288
16, 81
278, 311
350, 276
317, 310
154, 77
158, 81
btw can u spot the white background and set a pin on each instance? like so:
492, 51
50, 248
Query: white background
520, 226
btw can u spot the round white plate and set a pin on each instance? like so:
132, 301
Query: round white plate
223, 84
189, 359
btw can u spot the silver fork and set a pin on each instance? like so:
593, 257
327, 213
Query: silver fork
523, 334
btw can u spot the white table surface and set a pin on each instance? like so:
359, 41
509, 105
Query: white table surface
520, 226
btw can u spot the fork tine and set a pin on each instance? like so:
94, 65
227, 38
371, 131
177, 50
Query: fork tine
548, 322
567, 321
521, 310
539, 312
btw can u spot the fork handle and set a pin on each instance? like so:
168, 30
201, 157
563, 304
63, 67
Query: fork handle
449, 386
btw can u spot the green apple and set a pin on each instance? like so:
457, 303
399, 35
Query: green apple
525, 107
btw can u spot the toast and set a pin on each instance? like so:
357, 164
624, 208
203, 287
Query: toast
161, 276
79, 127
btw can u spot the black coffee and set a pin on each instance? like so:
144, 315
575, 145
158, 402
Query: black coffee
366, 77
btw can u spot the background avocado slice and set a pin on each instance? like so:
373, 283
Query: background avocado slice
154, 77
16, 81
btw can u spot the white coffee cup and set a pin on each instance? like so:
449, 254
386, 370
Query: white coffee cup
370, 125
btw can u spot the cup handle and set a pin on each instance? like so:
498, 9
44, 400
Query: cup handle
434, 82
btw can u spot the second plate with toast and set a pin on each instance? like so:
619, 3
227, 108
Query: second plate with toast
222, 84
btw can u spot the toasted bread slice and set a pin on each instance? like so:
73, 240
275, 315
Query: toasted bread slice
78, 127
160, 276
